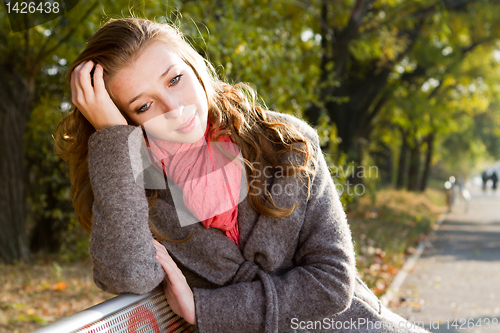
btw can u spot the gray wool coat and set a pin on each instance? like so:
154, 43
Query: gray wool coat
293, 274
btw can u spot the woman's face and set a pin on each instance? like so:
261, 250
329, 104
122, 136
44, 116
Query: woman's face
161, 92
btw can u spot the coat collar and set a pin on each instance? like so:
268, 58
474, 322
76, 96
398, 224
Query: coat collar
265, 240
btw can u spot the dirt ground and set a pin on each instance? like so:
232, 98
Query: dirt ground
34, 295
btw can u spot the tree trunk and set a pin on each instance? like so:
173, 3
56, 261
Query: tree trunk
428, 158
313, 113
383, 161
402, 163
16, 96
414, 167
46, 234
357, 158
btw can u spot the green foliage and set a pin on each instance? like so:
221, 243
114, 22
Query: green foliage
443, 81
446, 85
75, 246
264, 47
341, 172
39, 58
49, 187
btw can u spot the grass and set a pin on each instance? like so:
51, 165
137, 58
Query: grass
34, 295
387, 232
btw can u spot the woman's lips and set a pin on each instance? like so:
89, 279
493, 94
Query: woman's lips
188, 125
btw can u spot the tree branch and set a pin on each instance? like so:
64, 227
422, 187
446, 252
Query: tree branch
368, 117
358, 12
476, 44
42, 54
321, 19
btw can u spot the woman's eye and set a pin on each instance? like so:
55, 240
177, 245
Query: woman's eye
175, 80
144, 107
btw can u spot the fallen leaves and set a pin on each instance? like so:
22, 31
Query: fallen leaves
385, 234
60, 286
32, 296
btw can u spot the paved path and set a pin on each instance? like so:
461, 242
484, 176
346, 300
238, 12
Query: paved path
458, 274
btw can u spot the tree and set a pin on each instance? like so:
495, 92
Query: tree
26, 60
36, 79
22, 58
361, 46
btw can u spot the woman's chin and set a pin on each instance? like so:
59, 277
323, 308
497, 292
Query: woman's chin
194, 136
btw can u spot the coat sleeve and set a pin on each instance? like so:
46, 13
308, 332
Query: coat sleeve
121, 248
320, 285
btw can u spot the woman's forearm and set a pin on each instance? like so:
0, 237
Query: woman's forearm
121, 245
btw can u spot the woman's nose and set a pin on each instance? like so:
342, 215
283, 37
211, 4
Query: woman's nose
175, 113
172, 108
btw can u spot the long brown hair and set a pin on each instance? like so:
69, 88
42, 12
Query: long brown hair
262, 138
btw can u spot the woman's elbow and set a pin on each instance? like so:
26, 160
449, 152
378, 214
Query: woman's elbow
130, 282
342, 292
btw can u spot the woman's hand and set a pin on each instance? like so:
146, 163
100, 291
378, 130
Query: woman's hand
94, 102
177, 291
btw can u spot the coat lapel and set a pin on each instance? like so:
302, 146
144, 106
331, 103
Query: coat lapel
266, 241
273, 240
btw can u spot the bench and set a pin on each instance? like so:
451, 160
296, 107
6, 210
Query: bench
124, 313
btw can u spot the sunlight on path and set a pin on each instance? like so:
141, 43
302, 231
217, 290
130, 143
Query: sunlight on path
455, 285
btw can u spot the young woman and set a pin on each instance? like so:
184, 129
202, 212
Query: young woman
273, 250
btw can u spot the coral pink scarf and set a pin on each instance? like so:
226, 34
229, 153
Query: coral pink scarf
210, 183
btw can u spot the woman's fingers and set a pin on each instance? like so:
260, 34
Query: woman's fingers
84, 80
169, 270
98, 79
159, 247
163, 254
81, 93
73, 87
167, 266
177, 291
76, 92
174, 275
95, 102
173, 272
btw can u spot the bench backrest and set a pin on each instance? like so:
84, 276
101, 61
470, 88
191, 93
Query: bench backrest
125, 313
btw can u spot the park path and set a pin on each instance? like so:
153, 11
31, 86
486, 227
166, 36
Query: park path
458, 274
